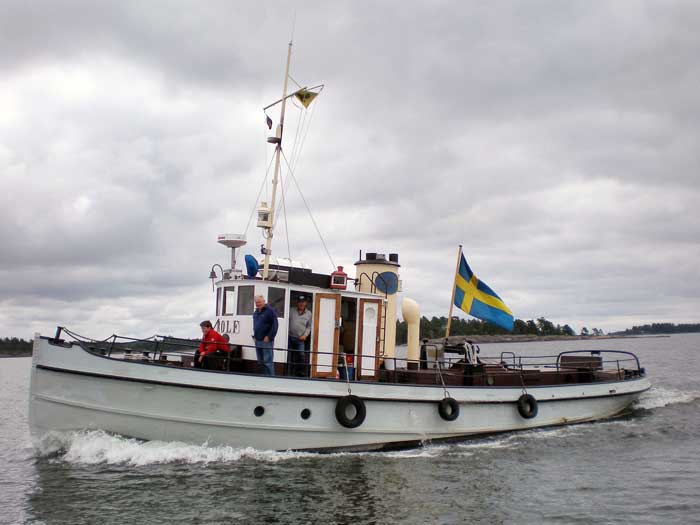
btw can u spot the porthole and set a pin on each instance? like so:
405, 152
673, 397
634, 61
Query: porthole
305, 414
259, 411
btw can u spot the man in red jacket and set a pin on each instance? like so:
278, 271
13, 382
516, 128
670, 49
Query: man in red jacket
213, 343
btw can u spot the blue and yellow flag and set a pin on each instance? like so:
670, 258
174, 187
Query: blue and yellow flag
474, 297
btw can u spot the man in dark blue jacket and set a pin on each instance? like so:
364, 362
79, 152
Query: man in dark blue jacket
264, 332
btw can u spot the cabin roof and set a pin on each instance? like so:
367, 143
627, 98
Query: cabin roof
297, 287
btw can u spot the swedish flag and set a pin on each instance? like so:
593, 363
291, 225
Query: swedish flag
474, 297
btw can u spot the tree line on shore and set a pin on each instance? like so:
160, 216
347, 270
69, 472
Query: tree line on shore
435, 327
661, 328
13, 346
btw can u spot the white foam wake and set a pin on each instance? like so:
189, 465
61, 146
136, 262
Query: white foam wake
427, 451
657, 397
98, 447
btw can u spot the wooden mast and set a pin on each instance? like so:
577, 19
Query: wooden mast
454, 289
275, 178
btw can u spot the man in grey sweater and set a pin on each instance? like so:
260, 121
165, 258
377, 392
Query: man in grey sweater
299, 331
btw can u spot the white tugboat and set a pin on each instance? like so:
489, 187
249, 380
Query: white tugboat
355, 394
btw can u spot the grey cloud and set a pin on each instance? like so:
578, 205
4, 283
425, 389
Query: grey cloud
558, 142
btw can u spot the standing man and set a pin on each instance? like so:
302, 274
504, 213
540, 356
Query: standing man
213, 345
264, 332
299, 330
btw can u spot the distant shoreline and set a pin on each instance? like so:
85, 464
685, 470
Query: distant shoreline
528, 338
482, 339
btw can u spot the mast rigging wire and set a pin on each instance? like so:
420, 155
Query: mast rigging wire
255, 204
303, 138
296, 183
296, 147
302, 129
296, 151
284, 212
300, 125
266, 171
297, 83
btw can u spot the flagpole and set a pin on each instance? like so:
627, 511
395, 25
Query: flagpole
454, 289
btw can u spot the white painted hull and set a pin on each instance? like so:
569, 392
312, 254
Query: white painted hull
74, 390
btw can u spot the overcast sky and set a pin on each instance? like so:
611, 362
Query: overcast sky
558, 141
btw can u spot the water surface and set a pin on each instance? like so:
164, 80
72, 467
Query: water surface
641, 468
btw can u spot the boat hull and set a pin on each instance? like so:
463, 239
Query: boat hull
75, 390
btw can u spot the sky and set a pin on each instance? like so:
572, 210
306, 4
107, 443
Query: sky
559, 142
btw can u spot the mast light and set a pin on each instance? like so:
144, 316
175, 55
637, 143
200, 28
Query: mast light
264, 216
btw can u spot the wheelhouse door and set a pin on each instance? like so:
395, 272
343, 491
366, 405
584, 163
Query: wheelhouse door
324, 357
370, 318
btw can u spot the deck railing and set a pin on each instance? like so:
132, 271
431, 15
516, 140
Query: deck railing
578, 365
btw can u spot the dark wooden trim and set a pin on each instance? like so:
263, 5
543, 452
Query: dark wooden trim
331, 396
314, 342
314, 353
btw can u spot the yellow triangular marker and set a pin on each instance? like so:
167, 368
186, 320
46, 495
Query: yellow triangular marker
305, 97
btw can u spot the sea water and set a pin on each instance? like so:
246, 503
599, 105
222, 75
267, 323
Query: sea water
640, 468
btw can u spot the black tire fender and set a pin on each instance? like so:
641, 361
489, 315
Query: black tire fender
527, 406
341, 409
448, 409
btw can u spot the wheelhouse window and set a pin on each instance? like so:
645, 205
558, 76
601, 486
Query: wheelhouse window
218, 301
228, 301
246, 302
275, 298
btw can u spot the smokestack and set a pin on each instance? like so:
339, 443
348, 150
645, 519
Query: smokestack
378, 275
411, 314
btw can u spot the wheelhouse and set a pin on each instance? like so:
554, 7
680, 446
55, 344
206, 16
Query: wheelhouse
349, 326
